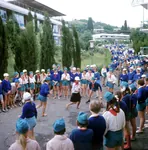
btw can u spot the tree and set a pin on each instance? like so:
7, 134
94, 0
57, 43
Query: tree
29, 17
47, 45
35, 23
29, 47
3, 49
77, 55
90, 25
125, 25
67, 45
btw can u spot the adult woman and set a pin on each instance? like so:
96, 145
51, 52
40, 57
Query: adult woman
65, 82
84, 83
76, 97
23, 142
44, 92
29, 113
115, 120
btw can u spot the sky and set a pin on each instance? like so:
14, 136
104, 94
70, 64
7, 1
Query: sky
112, 12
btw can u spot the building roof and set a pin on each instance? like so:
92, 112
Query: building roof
37, 6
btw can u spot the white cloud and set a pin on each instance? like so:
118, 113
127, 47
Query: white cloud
108, 11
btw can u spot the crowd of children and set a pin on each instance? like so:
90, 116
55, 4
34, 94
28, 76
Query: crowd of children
112, 129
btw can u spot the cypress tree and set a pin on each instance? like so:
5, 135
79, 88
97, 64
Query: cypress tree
29, 47
29, 17
90, 25
3, 49
77, 56
66, 46
35, 23
47, 45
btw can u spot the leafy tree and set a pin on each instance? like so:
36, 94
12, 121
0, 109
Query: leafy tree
3, 49
67, 45
108, 28
35, 23
77, 55
29, 17
29, 47
47, 45
90, 25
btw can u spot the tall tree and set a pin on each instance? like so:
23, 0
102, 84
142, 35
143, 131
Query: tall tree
29, 47
77, 56
125, 25
29, 17
35, 23
3, 49
90, 25
67, 45
47, 45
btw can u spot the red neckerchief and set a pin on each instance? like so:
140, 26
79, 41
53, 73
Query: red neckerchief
93, 85
110, 75
38, 76
76, 83
55, 75
113, 112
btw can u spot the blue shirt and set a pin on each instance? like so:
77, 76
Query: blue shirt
124, 77
131, 76
6, 86
127, 99
124, 107
1, 91
82, 139
95, 86
29, 110
72, 77
55, 77
44, 90
98, 125
141, 95
134, 99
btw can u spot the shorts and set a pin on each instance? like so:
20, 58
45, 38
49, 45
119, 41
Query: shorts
26, 86
65, 83
32, 86
57, 84
31, 122
113, 139
1, 97
146, 102
22, 88
141, 107
38, 85
42, 98
83, 81
134, 113
4, 93
110, 85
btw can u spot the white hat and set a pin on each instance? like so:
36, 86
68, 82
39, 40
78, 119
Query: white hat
24, 70
0, 81
77, 78
74, 68
6, 75
131, 68
37, 71
143, 76
139, 69
42, 70
124, 69
87, 65
26, 96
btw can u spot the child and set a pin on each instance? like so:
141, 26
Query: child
97, 123
146, 89
1, 96
82, 136
60, 140
32, 84
76, 97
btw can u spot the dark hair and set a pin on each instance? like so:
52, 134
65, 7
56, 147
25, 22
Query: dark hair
82, 125
60, 132
146, 79
141, 82
127, 91
112, 104
119, 94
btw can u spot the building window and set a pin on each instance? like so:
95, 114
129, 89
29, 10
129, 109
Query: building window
20, 19
57, 41
55, 28
3, 15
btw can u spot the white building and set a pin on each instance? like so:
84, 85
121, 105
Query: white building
21, 8
104, 36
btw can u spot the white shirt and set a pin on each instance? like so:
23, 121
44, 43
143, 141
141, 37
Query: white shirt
21, 81
13, 88
76, 88
84, 77
32, 80
111, 78
103, 70
89, 75
114, 123
26, 79
42, 78
65, 76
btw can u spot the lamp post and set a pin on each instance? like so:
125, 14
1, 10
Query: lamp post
91, 49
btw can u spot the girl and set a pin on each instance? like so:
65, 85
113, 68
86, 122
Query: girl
146, 89
55, 83
104, 73
76, 97
65, 82
6, 86
127, 99
84, 83
29, 113
134, 112
43, 76
23, 142
115, 121
26, 78
38, 81
141, 104
32, 84
44, 93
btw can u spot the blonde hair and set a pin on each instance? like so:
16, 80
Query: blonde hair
95, 106
22, 141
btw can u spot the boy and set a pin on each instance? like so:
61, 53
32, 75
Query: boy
82, 136
60, 141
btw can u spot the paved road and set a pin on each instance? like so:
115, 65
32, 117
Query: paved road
43, 130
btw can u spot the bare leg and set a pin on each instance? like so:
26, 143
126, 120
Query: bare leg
69, 104
44, 108
40, 105
133, 124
